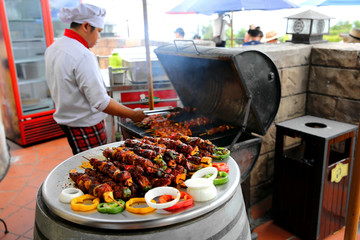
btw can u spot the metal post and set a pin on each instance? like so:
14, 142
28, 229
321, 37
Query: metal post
232, 29
352, 216
148, 59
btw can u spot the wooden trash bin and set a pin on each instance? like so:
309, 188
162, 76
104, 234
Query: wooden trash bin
313, 159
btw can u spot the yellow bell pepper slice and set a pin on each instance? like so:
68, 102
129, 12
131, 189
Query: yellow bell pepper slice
139, 210
79, 203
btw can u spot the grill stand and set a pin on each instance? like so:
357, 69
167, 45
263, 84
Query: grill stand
245, 185
243, 126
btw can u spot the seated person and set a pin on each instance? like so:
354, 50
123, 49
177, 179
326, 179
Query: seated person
271, 37
247, 34
254, 38
352, 37
261, 33
196, 37
179, 33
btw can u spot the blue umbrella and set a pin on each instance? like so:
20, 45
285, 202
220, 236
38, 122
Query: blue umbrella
182, 8
218, 6
319, 3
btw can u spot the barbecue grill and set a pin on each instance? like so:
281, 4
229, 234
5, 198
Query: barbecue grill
240, 88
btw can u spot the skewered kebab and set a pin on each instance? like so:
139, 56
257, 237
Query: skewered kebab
112, 171
120, 191
194, 141
90, 185
204, 145
138, 173
199, 121
151, 119
219, 129
160, 148
156, 119
129, 157
177, 145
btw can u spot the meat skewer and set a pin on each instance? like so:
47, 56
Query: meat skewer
138, 173
89, 184
112, 171
195, 141
129, 157
160, 148
120, 191
177, 145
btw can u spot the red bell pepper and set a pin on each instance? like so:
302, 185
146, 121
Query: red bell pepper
221, 166
187, 201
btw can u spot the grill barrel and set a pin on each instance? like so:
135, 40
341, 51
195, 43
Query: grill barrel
219, 82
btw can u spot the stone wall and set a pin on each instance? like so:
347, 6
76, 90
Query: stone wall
334, 82
322, 80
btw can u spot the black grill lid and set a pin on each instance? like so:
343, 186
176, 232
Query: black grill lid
219, 82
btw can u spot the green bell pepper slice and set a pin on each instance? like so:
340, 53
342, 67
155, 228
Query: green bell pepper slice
111, 207
221, 178
220, 153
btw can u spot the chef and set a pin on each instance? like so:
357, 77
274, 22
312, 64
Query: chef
75, 81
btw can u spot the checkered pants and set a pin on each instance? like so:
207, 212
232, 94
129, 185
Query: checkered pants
84, 138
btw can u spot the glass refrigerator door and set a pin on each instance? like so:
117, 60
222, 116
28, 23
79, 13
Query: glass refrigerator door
55, 6
27, 34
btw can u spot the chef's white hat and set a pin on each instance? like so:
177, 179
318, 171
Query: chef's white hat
83, 13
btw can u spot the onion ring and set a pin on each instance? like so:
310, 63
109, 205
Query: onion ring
68, 194
201, 189
205, 171
159, 191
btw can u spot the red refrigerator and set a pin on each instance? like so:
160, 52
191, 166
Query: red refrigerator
25, 32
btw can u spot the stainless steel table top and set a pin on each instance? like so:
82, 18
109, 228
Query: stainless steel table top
58, 179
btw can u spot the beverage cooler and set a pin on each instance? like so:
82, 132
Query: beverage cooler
25, 32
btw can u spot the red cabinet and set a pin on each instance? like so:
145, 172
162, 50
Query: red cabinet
139, 99
25, 32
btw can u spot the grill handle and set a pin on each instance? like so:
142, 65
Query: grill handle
244, 124
193, 43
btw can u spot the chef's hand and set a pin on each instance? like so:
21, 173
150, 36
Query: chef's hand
138, 116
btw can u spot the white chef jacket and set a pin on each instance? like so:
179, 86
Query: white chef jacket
76, 84
217, 25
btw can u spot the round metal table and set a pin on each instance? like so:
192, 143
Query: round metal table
223, 217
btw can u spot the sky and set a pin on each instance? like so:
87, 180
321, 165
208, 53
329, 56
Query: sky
127, 17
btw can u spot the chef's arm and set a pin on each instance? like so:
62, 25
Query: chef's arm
117, 109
